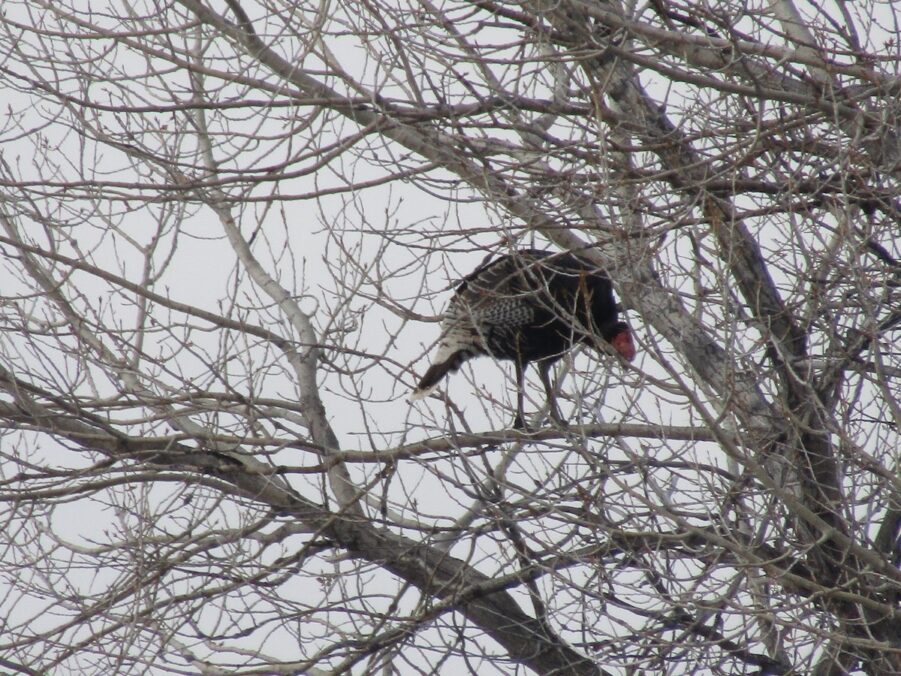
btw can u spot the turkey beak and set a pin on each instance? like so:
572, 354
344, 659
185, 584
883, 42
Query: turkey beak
622, 343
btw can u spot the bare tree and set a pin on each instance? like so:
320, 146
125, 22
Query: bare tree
228, 231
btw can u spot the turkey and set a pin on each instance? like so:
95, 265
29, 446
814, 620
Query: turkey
529, 306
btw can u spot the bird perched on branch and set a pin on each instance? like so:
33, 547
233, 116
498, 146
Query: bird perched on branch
528, 306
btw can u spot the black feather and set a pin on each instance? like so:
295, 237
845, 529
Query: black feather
530, 306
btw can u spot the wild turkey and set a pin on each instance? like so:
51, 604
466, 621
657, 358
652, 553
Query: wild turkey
527, 306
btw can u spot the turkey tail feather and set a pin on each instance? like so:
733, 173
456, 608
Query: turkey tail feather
435, 373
